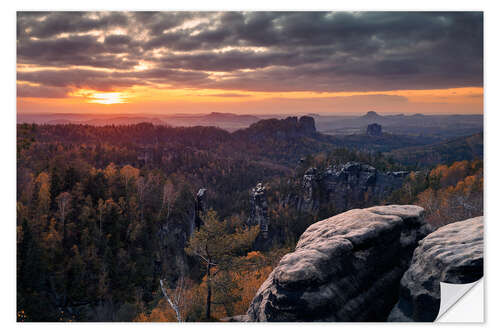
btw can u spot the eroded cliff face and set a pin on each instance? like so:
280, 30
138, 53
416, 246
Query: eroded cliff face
344, 268
345, 186
451, 254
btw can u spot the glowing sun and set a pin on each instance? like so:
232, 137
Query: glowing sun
99, 97
107, 98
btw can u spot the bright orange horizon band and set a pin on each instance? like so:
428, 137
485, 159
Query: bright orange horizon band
136, 98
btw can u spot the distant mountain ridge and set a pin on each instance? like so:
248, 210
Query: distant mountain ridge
441, 127
219, 116
228, 121
279, 139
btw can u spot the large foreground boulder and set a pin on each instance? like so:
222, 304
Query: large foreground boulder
344, 268
451, 254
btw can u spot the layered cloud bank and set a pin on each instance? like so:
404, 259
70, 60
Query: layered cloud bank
168, 58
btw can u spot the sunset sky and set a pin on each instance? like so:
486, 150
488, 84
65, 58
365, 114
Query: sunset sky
249, 62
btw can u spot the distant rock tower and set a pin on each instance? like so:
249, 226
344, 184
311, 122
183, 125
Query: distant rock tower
258, 213
306, 125
374, 130
371, 115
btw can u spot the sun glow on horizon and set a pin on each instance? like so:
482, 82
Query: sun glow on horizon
96, 97
162, 99
107, 98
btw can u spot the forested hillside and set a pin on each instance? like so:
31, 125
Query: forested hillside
464, 148
447, 193
108, 218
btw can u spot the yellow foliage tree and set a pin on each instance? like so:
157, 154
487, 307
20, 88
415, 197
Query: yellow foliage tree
128, 172
216, 244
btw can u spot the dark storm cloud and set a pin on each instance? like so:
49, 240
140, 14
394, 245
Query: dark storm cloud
157, 22
77, 51
76, 78
105, 81
270, 51
117, 40
170, 76
234, 60
48, 24
24, 90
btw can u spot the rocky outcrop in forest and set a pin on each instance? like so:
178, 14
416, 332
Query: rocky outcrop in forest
199, 207
259, 215
258, 204
344, 268
374, 130
451, 254
344, 186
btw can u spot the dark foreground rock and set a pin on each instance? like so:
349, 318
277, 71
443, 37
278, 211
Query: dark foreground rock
344, 268
452, 254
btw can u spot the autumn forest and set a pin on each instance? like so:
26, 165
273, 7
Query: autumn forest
107, 227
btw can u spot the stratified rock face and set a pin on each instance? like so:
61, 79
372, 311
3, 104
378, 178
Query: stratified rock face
374, 130
344, 268
346, 186
451, 254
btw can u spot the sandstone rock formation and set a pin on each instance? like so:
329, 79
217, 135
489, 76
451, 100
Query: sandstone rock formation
288, 128
374, 130
306, 125
259, 216
310, 200
199, 207
345, 186
258, 213
344, 268
452, 254
371, 115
